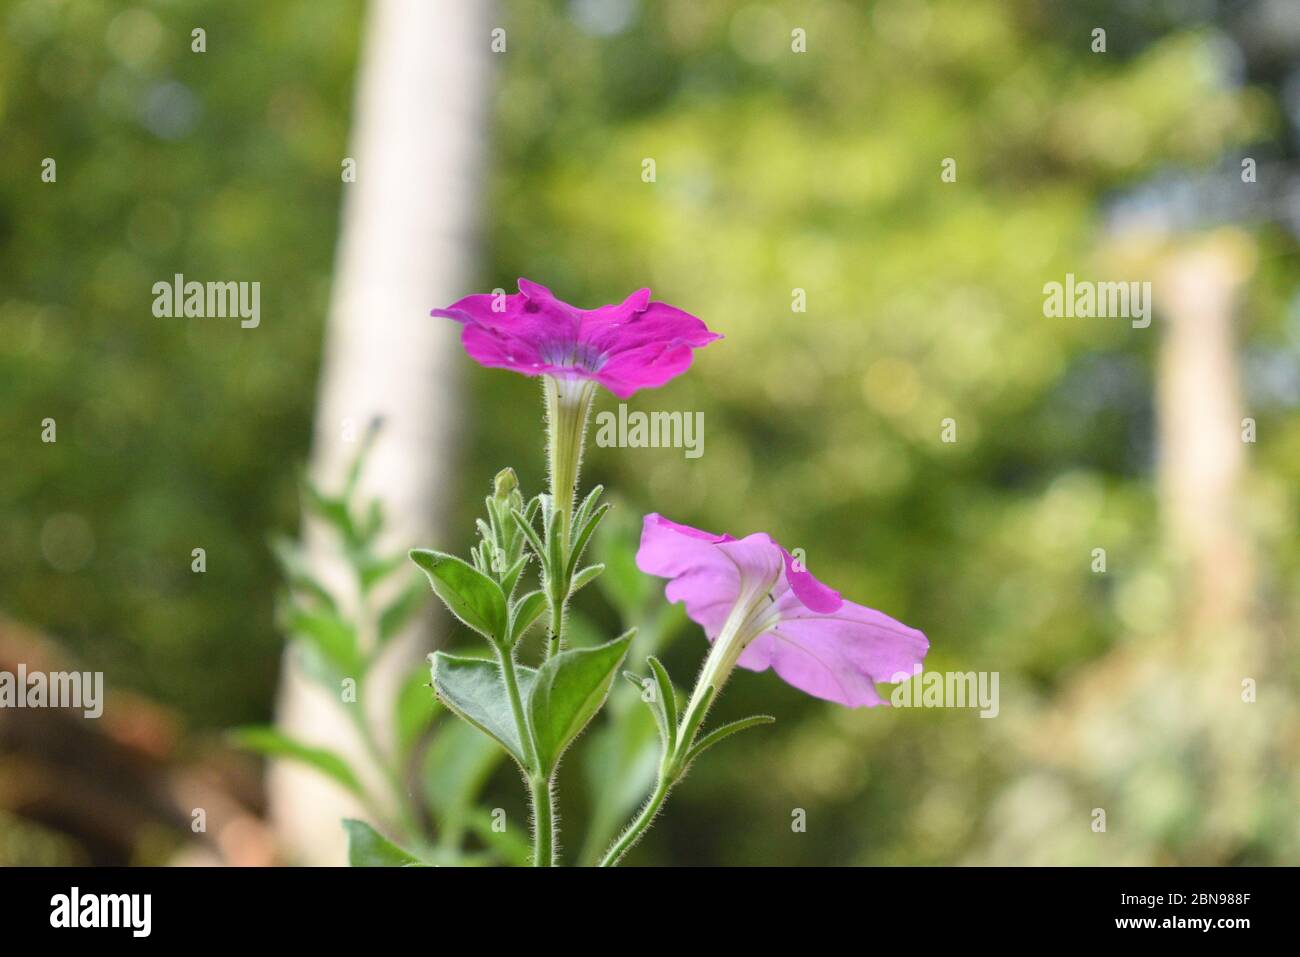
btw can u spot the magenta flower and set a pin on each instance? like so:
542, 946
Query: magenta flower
637, 344
761, 609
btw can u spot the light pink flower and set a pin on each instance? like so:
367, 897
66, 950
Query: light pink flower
761, 610
636, 344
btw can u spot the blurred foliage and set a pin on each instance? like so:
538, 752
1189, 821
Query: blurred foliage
775, 171
420, 783
172, 434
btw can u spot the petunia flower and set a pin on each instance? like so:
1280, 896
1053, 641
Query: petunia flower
761, 609
636, 344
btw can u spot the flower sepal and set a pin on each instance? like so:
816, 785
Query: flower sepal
680, 735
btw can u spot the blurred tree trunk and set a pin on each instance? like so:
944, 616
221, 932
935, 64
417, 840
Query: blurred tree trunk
1202, 455
407, 241
1158, 729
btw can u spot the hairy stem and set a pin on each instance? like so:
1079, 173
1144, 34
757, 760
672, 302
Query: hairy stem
539, 789
642, 823
556, 631
543, 821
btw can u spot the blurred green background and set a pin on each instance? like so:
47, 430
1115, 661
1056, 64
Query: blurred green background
776, 171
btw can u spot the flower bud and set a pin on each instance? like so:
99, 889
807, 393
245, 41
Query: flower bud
505, 483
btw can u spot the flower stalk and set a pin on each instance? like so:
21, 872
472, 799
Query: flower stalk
749, 617
539, 788
568, 406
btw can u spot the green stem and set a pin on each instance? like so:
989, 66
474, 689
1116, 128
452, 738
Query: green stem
539, 789
746, 619
556, 630
638, 827
543, 822
507, 660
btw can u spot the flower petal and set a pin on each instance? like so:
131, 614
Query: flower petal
632, 345
708, 571
838, 656
813, 594
531, 332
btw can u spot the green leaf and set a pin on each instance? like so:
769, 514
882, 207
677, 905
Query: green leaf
726, 731
368, 848
626, 587
475, 690
469, 594
297, 573
334, 638
509, 845
585, 577
401, 610
688, 733
667, 701
588, 503
525, 523
332, 510
358, 462
270, 742
510, 577
554, 560
415, 709
526, 611
569, 689
371, 569
459, 763
619, 761
372, 524
584, 535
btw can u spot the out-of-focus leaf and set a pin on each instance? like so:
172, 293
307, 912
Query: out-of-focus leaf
619, 764
415, 710
398, 613
372, 524
274, 744
458, 764
368, 848
333, 510
625, 586
371, 570
510, 844
334, 638
296, 572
